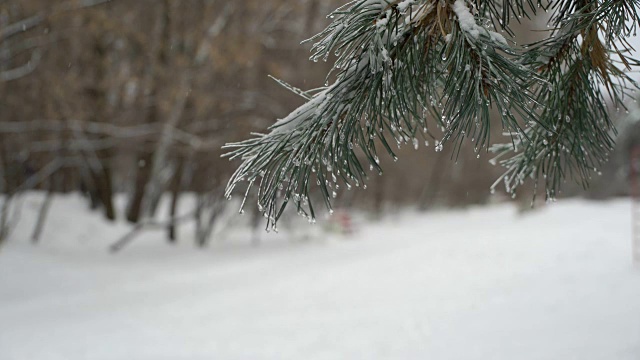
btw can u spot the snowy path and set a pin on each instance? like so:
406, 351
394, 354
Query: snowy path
555, 284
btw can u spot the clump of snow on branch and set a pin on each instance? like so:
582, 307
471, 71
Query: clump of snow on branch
468, 24
295, 118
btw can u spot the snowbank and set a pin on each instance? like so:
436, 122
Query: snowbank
485, 283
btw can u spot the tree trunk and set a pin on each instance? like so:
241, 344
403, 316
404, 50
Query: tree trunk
4, 217
145, 158
431, 188
101, 174
42, 215
175, 195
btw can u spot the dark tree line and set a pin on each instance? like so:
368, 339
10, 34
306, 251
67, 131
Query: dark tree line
137, 97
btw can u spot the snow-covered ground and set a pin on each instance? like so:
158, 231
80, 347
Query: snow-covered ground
484, 283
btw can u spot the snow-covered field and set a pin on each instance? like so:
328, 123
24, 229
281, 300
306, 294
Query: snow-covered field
484, 283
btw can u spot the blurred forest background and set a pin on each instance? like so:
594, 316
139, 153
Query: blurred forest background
136, 98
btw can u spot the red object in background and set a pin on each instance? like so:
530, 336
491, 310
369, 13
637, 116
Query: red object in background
347, 224
343, 221
634, 171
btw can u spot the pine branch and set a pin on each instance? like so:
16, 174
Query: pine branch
431, 69
573, 136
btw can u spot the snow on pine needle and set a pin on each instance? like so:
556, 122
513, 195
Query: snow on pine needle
404, 70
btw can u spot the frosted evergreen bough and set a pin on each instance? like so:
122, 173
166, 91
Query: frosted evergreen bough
412, 71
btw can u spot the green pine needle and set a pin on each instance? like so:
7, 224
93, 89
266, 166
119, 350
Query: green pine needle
437, 69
